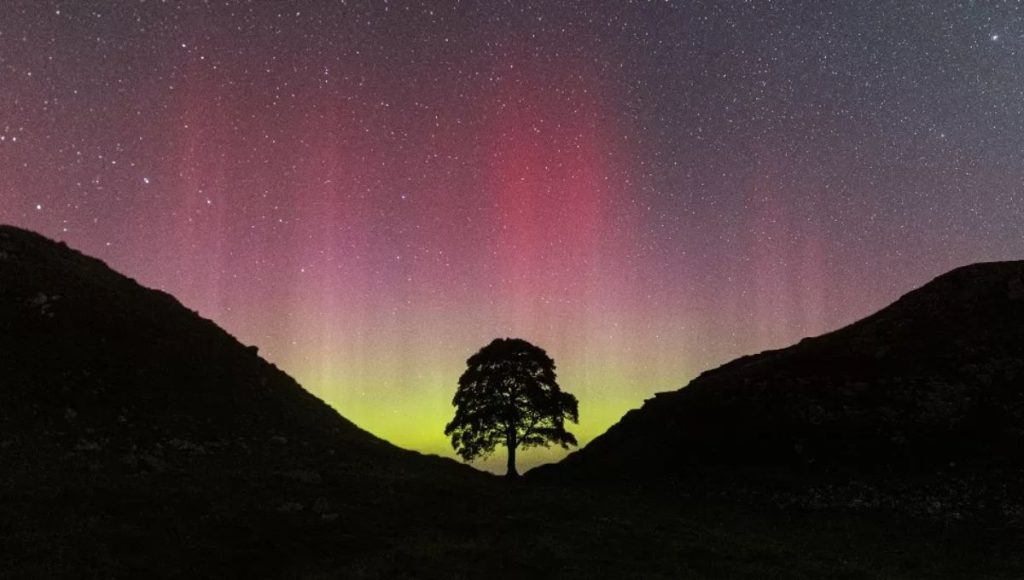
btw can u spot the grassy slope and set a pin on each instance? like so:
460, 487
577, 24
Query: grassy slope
379, 526
935, 378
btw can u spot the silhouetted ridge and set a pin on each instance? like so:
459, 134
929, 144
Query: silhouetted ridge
90, 361
935, 378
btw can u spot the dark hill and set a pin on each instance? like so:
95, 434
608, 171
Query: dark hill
138, 440
935, 379
100, 373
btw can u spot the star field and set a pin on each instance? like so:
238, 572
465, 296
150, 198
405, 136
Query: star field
371, 191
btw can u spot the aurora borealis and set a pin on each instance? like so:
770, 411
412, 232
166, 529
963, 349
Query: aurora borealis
372, 191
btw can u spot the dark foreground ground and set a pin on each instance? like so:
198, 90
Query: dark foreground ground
330, 524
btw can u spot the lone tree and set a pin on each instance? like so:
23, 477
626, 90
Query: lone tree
509, 396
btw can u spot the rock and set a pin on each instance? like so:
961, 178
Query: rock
86, 445
290, 507
70, 414
154, 464
304, 476
185, 445
321, 506
42, 303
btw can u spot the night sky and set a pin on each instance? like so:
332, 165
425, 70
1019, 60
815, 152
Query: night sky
372, 191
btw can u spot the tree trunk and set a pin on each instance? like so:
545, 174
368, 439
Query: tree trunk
511, 444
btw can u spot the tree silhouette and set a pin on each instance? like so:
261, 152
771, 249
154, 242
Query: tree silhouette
509, 396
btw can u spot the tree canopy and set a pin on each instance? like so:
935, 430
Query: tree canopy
509, 395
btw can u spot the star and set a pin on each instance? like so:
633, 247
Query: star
649, 172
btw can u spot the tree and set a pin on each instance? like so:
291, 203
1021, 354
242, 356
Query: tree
508, 395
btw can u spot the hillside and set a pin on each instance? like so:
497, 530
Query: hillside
99, 373
935, 380
138, 440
